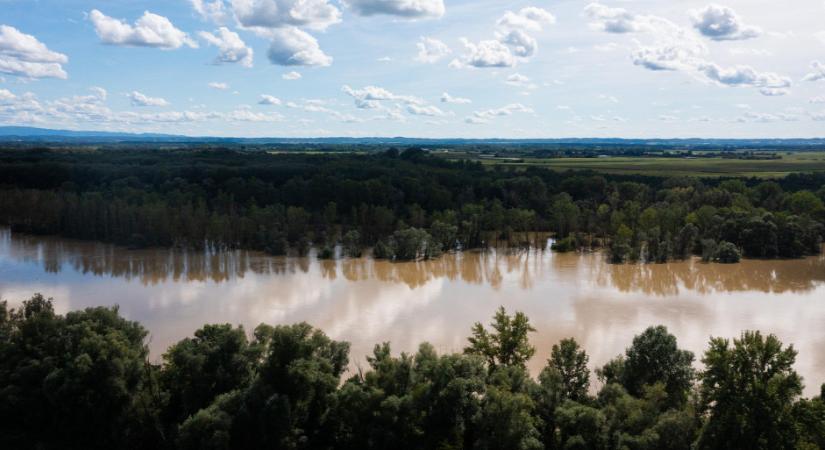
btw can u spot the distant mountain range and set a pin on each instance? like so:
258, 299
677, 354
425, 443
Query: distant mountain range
45, 135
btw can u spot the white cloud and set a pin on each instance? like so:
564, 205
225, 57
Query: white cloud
613, 20
431, 50
818, 74
511, 44
485, 116
313, 14
674, 48
6, 96
269, 100
211, 10
294, 47
150, 30
751, 116
24, 56
232, 49
291, 76
447, 98
411, 9
219, 86
520, 43
530, 18
489, 53
520, 80
721, 23
91, 109
767, 82
139, 99
431, 111
370, 97
817, 100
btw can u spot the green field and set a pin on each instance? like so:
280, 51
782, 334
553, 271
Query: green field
702, 167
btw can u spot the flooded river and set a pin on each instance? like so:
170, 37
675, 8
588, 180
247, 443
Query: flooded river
172, 293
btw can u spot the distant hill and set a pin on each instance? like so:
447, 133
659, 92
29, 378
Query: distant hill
45, 135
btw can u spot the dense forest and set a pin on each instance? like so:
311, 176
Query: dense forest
404, 204
84, 381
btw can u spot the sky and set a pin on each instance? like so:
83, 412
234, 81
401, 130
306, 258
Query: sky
416, 68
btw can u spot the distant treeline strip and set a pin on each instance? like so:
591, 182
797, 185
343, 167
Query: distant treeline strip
405, 205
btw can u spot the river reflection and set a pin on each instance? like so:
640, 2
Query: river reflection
365, 301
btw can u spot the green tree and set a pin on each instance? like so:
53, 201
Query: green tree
570, 361
73, 381
654, 358
508, 345
748, 392
217, 360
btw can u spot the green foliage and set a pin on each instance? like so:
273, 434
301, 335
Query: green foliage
70, 381
727, 253
81, 381
508, 345
748, 390
654, 358
217, 360
404, 207
570, 361
352, 244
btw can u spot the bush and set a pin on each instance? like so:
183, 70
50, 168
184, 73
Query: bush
727, 253
565, 245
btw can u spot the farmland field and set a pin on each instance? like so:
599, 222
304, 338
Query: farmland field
699, 166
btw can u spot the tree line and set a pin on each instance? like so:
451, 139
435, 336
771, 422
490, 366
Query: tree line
403, 204
83, 380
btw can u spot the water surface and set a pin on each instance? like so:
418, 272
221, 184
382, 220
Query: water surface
365, 302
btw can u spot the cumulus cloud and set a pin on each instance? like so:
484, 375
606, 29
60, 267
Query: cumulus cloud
24, 56
370, 97
419, 110
769, 83
818, 73
520, 43
447, 98
213, 10
294, 47
410, 9
313, 14
219, 86
431, 50
721, 23
139, 99
488, 53
512, 43
80, 110
613, 20
269, 100
675, 48
6, 96
519, 80
231, 48
150, 30
291, 76
485, 116
530, 18
751, 116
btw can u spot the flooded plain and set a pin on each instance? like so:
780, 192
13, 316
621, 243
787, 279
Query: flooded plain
363, 301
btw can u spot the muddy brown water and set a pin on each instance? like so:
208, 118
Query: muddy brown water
364, 301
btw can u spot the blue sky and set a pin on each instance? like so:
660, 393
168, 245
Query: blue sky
418, 68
